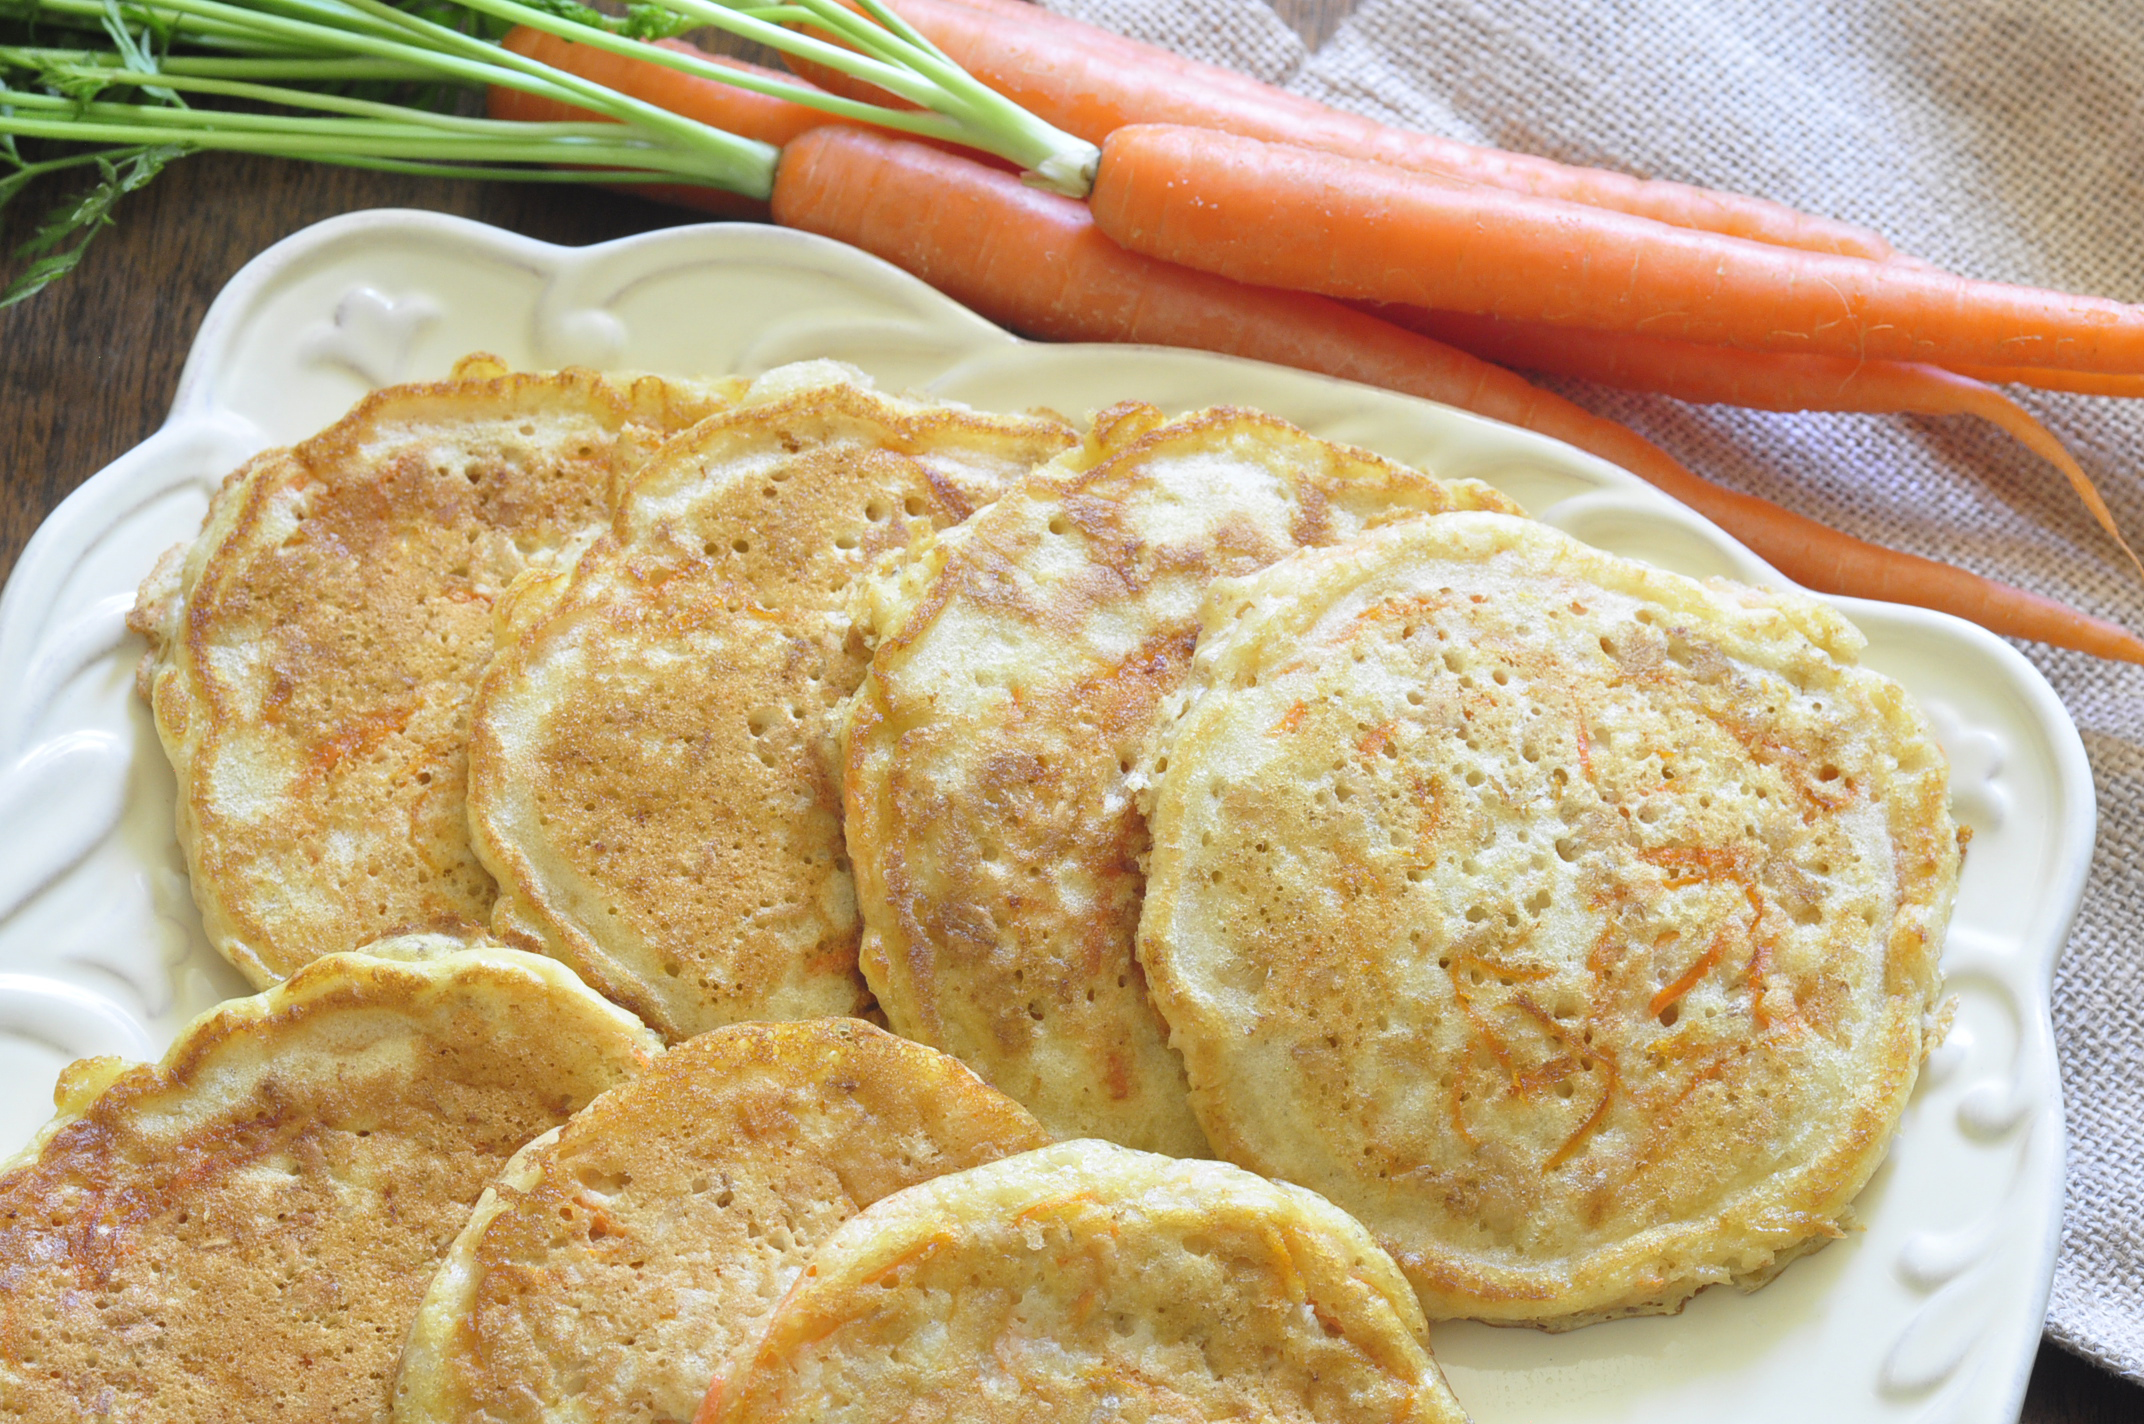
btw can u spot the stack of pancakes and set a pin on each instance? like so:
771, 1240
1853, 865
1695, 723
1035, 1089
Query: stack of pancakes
1565, 931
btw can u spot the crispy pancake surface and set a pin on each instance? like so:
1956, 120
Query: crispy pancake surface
991, 751
243, 1231
313, 653
619, 1263
1085, 1281
654, 779
1572, 924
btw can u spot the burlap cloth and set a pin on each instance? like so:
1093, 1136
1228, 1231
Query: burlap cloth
1999, 138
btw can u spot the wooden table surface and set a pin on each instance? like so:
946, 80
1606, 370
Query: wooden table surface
87, 370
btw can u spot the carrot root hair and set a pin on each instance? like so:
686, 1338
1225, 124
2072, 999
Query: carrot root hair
1760, 380
1821, 558
2083, 383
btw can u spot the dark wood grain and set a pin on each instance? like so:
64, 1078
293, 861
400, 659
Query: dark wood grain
2067, 1390
88, 368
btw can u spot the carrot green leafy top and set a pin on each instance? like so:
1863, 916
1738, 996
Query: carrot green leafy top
387, 84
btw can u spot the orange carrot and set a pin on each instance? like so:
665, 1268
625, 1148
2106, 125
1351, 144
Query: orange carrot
1757, 380
1281, 216
723, 106
1090, 82
1038, 264
711, 1404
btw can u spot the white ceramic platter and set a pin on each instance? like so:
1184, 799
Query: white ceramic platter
1932, 1313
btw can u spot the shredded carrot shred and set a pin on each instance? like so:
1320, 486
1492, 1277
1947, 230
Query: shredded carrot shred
1691, 977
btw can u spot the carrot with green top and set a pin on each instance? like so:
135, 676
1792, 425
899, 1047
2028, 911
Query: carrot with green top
1091, 82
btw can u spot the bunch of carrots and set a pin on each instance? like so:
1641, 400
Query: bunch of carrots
1229, 216
1126, 194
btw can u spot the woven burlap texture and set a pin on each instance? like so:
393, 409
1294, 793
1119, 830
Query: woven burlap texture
2000, 140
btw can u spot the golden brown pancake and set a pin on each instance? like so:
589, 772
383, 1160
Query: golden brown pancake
654, 780
992, 750
243, 1231
1088, 1282
620, 1261
1572, 924
313, 652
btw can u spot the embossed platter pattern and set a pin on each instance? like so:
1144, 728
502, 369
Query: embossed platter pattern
1932, 1312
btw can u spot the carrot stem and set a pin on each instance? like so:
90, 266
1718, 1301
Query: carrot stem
937, 99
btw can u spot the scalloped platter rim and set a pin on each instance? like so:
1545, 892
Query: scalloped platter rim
1930, 1312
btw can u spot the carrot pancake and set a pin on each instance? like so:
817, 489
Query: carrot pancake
622, 1260
654, 778
243, 1230
992, 750
313, 652
1571, 923
1088, 1282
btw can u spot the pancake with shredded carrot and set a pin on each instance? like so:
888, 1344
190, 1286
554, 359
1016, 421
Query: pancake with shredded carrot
619, 1262
244, 1230
654, 780
313, 652
991, 752
1088, 1282
1571, 923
